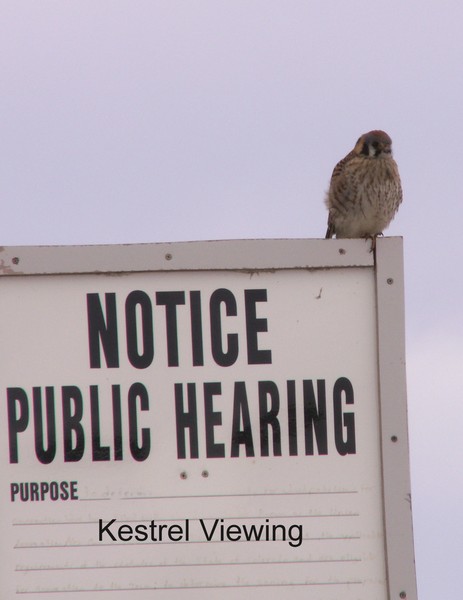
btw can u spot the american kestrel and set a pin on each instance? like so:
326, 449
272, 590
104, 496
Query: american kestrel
365, 190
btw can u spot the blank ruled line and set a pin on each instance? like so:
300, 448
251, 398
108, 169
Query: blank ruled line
193, 587
177, 565
92, 499
268, 495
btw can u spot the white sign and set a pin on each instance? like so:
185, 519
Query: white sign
194, 431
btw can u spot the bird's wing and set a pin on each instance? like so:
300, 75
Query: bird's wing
339, 168
335, 181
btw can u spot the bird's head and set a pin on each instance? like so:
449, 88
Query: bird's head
375, 144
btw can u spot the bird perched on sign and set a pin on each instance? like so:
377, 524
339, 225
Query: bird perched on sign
365, 190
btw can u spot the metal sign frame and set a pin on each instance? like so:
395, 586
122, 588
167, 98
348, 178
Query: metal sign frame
261, 255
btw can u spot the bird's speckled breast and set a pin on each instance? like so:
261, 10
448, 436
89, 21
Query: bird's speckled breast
365, 197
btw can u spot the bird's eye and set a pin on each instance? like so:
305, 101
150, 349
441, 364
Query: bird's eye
375, 144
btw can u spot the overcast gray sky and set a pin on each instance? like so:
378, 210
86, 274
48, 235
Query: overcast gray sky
148, 121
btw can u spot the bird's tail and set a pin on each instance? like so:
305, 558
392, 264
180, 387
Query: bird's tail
330, 231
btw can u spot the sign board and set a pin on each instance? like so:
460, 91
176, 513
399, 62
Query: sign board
204, 419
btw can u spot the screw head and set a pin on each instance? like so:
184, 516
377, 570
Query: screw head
389, 281
168, 256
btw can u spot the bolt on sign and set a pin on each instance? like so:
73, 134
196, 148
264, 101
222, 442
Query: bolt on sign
199, 419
